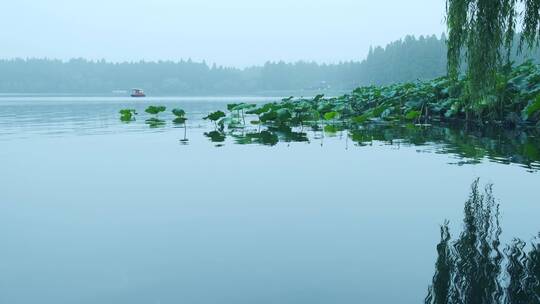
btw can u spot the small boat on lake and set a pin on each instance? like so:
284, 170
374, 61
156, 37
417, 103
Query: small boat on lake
137, 93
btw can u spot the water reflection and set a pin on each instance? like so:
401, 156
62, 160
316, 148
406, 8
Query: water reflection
216, 137
470, 145
155, 122
181, 122
263, 138
473, 269
523, 273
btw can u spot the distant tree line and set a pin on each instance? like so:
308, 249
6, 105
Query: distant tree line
407, 59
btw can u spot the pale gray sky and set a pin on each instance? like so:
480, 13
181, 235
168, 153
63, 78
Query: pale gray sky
228, 32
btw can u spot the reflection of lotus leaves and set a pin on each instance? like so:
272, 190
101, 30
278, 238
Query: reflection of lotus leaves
268, 138
155, 122
287, 134
179, 120
330, 129
360, 113
263, 138
361, 137
473, 146
215, 136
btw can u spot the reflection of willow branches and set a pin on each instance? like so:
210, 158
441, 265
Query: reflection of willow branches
523, 273
469, 269
478, 260
439, 291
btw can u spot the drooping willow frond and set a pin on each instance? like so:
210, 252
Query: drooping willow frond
457, 20
481, 32
531, 24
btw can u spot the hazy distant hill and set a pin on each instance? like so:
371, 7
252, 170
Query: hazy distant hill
404, 60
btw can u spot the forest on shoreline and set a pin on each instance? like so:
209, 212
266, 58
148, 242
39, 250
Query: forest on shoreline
405, 60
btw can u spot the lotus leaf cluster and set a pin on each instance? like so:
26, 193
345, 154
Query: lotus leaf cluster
215, 117
155, 122
127, 115
155, 110
180, 115
516, 102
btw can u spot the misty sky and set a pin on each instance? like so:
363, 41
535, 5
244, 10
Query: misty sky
228, 32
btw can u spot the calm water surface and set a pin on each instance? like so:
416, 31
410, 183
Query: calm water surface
93, 210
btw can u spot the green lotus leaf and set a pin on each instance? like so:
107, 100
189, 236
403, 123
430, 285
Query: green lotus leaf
318, 97
287, 99
215, 116
331, 115
260, 110
126, 115
377, 112
532, 108
179, 112
242, 106
360, 119
128, 112
231, 106
412, 115
330, 129
283, 115
269, 116
154, 110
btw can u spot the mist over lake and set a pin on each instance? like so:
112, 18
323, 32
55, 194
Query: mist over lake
270, 152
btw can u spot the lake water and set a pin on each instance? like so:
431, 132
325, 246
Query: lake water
94, 210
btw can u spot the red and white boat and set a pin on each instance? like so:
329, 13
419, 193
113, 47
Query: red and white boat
137, 93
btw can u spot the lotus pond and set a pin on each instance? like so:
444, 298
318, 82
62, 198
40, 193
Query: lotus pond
98, 206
